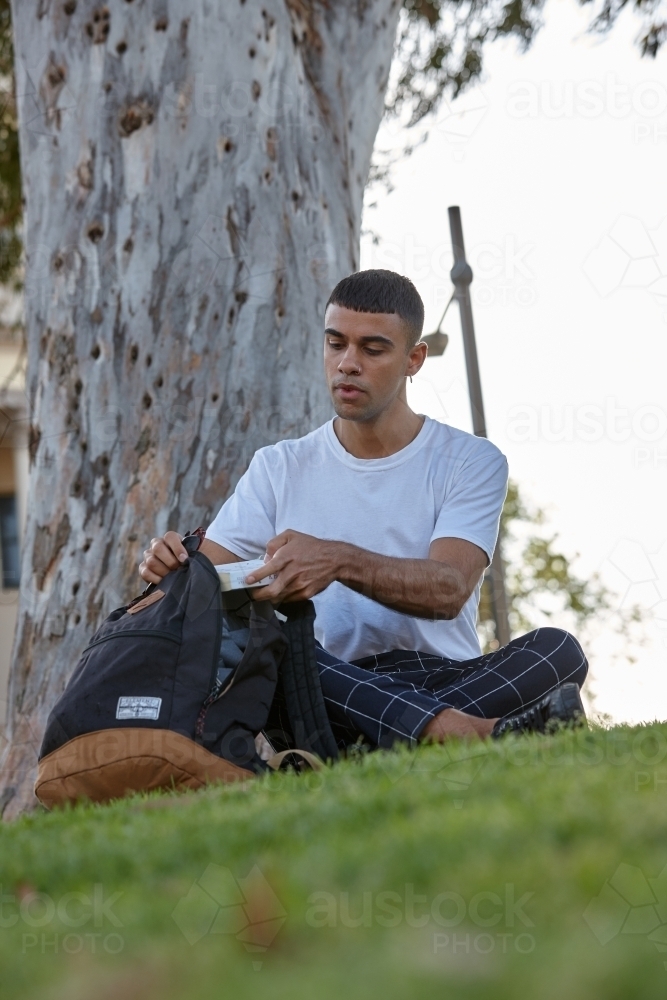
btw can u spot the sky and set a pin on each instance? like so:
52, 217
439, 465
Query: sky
558, 161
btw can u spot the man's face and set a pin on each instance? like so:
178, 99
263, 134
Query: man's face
366, 360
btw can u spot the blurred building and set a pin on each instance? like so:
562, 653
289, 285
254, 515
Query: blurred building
13, 490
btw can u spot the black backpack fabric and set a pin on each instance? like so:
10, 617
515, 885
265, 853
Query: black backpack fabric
209, 666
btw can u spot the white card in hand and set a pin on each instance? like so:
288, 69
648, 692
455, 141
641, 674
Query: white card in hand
232, 575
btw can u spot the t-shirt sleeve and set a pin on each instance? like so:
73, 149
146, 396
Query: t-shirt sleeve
472, 506
246, 521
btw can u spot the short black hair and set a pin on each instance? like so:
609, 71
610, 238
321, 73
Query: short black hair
377, 291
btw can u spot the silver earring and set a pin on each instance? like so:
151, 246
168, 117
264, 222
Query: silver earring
411, 378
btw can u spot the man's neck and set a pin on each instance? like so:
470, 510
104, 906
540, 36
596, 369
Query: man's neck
388, 433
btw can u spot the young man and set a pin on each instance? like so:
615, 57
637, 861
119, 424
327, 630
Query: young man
387, 520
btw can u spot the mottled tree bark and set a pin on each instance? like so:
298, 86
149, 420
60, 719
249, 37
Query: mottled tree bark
193, 173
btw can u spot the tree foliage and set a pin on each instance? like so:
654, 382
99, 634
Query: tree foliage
439, 52
440, 43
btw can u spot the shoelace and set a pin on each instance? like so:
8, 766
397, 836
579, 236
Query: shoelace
532, 719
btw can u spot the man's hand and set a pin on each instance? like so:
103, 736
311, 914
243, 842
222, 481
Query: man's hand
303, 566
168, 553
435, 588
163, 556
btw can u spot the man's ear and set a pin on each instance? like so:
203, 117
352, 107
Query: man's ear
416, 358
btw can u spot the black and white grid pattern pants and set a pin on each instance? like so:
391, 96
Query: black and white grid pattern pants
392, 696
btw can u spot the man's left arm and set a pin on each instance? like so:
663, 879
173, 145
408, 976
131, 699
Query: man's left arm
435, 588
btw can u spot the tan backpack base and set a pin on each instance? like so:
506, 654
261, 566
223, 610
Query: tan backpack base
112, 763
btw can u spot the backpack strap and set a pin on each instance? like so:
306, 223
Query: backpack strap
310, 758
301, 685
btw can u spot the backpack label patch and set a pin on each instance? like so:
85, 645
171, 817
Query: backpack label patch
146, 602
135, 707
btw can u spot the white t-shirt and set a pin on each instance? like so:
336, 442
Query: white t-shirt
445, 483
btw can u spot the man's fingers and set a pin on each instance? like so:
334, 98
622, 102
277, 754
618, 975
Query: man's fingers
173, 541
268, 569
162, 556
146, 574
278, 542
155, 566
164, 552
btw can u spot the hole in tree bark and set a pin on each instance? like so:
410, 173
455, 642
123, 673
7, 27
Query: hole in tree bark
95, 353
149, 360
121, 47
214, 397
159, 382
98, 29
69, 7
138, 114
75, 588
252, 53
86, 545
161, 24
128, 245
147, 401
95, 231
134, 353
56, 75
34, 437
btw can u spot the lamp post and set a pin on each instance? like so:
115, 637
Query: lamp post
461, 275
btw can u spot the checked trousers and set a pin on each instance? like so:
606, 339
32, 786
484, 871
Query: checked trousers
392, 696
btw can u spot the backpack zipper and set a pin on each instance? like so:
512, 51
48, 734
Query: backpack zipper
134, 632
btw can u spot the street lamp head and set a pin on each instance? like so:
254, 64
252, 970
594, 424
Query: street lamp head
436, 343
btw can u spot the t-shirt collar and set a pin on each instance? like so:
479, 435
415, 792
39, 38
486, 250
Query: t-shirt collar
388, 461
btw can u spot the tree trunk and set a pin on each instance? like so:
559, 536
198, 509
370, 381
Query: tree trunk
194, 174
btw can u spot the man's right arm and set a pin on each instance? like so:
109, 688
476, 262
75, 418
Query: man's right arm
167, 553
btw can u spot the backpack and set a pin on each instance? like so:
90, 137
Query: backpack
175, 688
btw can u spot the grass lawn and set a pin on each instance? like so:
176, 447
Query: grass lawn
527, 868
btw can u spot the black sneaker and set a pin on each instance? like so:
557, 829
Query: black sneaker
562, 707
